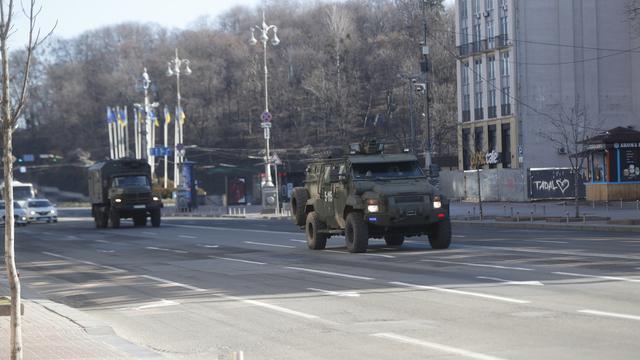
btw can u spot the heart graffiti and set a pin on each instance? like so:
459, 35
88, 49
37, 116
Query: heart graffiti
562, 184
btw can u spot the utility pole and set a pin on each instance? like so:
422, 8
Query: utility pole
425, 69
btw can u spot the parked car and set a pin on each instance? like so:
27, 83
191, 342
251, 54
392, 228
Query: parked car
19, 214
41, 210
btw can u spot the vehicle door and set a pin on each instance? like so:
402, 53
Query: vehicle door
325, 208
340, 192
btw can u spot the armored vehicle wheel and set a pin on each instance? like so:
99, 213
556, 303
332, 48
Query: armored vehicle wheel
315, 240
298, 203
356, 233
440, 235
394, 239
114, 219
140, 220
155, 218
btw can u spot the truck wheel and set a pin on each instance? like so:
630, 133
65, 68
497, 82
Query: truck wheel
315, 240
140, 220
356, 233
440, 235
298, 204
114, 219
394, 239
101, 219
155, 218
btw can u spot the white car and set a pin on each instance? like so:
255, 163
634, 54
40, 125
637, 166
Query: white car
41, 210
19, 214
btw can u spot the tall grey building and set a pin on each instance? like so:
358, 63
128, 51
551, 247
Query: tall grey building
520, 61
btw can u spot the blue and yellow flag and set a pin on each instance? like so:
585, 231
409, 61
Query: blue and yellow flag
111, 118
167, 115
181, 116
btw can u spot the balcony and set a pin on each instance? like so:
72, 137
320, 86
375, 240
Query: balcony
478, 114
505, 109
492, 112
502, 41
463, 50
466, 115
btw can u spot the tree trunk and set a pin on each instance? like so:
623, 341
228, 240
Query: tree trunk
576, 177
9, 233
479, 192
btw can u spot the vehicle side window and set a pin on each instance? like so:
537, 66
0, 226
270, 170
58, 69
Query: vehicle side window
327, 174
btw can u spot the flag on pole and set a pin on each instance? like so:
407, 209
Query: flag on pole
119, 116
154, 118
110, 115
135, 116
181, 116
123, 116
167, 115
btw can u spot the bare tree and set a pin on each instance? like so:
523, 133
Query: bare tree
569, 130
11, 107
633, 11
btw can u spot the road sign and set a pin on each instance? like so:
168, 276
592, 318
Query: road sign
179, 147
266, 116
28, 158
275, 159
160, 151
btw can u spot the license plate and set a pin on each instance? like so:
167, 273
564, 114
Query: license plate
139, 206
411, 212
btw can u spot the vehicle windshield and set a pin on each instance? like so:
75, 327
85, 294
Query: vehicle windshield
386, 170
130, 181
39, 204
22, 192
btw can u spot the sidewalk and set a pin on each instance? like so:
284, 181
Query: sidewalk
53, 331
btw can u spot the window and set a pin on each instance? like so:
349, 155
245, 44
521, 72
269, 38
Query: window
488, 5
490, 34
464, 14
479, 138
130, 181
491, 87
465, 92
505, 72
491, 138
478, 84
506, 146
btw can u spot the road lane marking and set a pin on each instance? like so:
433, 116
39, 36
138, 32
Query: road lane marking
164, 249
232, 229
336, 251
380, 255
187, 236
73, 237
300, 241
238, 260
597, 277
82, 261
478, 265
148, 233
270, 306
209, 246
172, 283
553, 252
460, 292
610, 314
549, 241
106, 251
458, 236
330, 273
432, 345
102, 241
511, 282
336, 293
151, 305
272, 245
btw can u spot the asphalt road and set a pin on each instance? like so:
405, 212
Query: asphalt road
201, 289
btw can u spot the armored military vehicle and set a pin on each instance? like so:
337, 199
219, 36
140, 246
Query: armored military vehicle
122, 189
370, 194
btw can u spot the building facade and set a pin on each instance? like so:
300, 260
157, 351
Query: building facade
522, 62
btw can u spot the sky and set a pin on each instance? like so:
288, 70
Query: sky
76, 16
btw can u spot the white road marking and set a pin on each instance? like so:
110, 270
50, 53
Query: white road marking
270, 306
597, 277
549, 241
73, 237
336, 293
106, 251
187, 236
439, 347
238, 260
380, 255
511, 282
609, 314
460, 292
458, 236
330, 273
553, 252
148, 233
163, 249
172, 283
102, 241
209, 246
336, 251
151, 305
82, 261
479, 265
272, 245
300, 241
232, 229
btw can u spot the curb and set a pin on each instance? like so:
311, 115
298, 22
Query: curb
553, 226
97, 329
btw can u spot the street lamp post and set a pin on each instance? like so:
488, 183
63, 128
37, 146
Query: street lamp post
146, 131
175, 68
425, 60
266, 116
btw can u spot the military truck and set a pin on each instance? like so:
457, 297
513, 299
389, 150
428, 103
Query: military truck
370, 194
121, 189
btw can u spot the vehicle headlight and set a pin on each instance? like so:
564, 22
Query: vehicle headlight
53, 212
155, 198
437, 202
118, 200
24, 218
373, 206
32, 212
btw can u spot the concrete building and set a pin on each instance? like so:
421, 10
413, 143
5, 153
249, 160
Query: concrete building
523, 61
